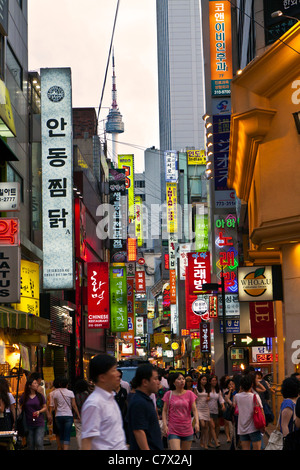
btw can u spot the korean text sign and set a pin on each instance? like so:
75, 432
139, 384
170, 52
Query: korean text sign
98, 295
57, 178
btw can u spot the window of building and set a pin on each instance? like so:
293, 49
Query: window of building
14, 66
20, 2
13, 176
139, 183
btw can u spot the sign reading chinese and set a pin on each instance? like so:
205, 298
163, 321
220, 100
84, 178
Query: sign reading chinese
118, 298
57, 178
220, 47
98, 295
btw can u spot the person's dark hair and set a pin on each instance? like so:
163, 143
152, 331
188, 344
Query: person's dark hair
56, 383
290, 387
100, 364
217, 388
121, 372
246, 382
63, 382
206, 386
143, 372
4, 390
172, 377
228, 382
35, 376
27, 392
133, 383
81, 386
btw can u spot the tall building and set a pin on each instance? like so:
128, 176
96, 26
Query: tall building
114, 124
180, 74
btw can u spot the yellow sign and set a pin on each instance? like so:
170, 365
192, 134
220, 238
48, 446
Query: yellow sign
171, 197
7, 123
127, 162
196, 157
220, 47
174, 346
30, 288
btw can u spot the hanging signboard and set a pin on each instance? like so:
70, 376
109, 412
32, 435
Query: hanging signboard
118, 219
118, 299
198, 271
57, 178
98, 295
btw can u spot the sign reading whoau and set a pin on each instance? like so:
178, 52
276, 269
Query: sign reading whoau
57, 178
255, 283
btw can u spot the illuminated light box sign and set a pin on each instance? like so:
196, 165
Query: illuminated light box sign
98, 295
196, 157
262, 319
9, 197
226, 249
29, 288
118, 298
57, 178
205, 344
10, 262
171, 199
139, 220
126, 162
131, 249
220, 47
118, 219
171, 166
198, 271
201, 228
140, 282
9, 232
259, 283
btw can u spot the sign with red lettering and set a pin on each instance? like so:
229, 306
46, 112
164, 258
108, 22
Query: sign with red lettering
262, 319
9, 232
198, 271
98, 295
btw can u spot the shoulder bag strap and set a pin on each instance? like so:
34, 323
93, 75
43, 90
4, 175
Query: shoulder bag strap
66, 400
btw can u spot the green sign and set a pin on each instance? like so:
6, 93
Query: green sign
247, 342
118, 298
201, 228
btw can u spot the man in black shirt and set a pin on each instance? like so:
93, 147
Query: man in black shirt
144, 430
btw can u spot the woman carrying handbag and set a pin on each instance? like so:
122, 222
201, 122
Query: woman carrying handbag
249, 435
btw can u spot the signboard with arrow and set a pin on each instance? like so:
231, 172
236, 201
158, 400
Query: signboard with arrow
247, 342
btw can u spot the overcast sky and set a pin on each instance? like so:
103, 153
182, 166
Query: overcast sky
77, 34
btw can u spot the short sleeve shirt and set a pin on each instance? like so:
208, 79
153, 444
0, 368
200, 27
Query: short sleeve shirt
63, 398
179, 413
101, 420
142, 416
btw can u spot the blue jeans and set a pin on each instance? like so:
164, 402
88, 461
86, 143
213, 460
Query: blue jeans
64, 424
35, 437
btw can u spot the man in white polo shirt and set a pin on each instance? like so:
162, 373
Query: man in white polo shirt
102, 426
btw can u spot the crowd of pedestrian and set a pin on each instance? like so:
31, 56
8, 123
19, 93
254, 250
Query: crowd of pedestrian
157, 410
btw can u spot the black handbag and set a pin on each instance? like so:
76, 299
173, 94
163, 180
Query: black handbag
21, 425
4, 422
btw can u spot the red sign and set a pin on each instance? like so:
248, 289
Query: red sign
204, 337
173, 286
265, 357
140, 282
198, 271
141, 261
80, 229
262, 319
213, 306
98, 295
9, 232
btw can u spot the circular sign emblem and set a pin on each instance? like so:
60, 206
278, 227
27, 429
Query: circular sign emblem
141, 261
255, 283
174, 346
56, 94
200, 308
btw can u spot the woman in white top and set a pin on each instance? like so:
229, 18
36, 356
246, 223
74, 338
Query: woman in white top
202, 394
9, 402
244, 401
64, 404
215, 398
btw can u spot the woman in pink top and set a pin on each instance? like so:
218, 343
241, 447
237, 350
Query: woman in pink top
179, 404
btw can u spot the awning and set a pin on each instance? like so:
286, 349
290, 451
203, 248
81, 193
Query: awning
14, 319
6, 154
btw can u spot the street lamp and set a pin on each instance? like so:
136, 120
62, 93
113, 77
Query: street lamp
278, 14
215, 287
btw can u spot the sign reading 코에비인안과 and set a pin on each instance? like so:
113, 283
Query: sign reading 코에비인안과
57, 178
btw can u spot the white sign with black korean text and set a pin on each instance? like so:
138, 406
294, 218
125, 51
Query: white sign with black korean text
57, 178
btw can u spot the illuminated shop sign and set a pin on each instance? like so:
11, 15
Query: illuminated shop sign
171, 166
126, 162
118, 220
220, 47
171, 198
57, 178
29, 288
226, 250
98, 295
196, 157
118, 299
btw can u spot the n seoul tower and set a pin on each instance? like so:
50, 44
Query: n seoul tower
114, 124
